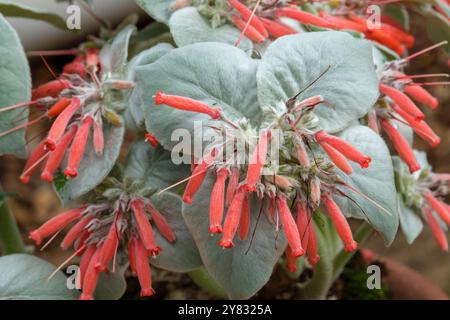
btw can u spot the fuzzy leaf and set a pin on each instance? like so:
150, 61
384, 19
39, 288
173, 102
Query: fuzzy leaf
181, 255
158, 10
15, 88
94, 169
376, 182
114, 56
153, 166
19, 10
188, 26
24, 277
410, 223
112, 285
214, 73
244, 269
134, 115
350, 85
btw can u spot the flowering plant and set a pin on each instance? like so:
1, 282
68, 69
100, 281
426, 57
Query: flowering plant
265, 125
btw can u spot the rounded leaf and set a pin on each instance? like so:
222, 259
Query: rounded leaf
350, 84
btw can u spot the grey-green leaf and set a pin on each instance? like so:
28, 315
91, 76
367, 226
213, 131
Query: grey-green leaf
94, 169
24, 277
244, 269
410, 223
19, 10
376, 182
214, 73
158, 10
153, 166
15, 88
188, 26
182, 254
350, 85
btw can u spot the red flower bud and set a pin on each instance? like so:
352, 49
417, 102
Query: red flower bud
85, 260
337, 158
75, 67
98, 139
438, 233
144, 226
232, 185
143, 270
277, 29
50, 89
244, 222
58, 107
249, 31
90, 279
75, 232
108, 248
161, 223
33, 161
438, 206
152, 140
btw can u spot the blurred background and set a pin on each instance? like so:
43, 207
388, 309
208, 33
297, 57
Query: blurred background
36, 202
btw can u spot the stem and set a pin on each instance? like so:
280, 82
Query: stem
360, 236
10, 237
319, 285
202, 278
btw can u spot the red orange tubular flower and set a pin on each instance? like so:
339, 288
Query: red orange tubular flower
217, 202
257, 162
340, 223
247, 15
290, 228
232, 219
303, 17
100, 231
186, 104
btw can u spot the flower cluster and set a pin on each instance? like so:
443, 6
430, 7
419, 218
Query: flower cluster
398, 103
120, 220
303, 184
73, 104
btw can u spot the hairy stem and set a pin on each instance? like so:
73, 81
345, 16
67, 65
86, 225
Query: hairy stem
201, 278
10, 238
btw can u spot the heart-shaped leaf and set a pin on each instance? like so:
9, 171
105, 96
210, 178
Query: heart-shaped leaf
24, 277
214, 73
376, 182
244, 269
15, 88
188, 26
93, 169
350, 84
19, 10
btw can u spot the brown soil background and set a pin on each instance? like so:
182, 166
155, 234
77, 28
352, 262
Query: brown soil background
36, 202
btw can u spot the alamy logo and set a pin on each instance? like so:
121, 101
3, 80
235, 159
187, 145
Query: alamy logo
73, 21
73, 281
374, 279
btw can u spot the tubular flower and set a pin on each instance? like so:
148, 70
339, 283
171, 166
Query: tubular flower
276, 28
68, 102
186, 104
102, 230
232, 219
289, 226
77, 148
303, 17
438, 206
198, 175
246, 14
438, 233
217, 202
401, 145
340, 223
421, 95
402, 101
343, 147
419, 127
152, 140
244, 223
249, 31
257, 162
